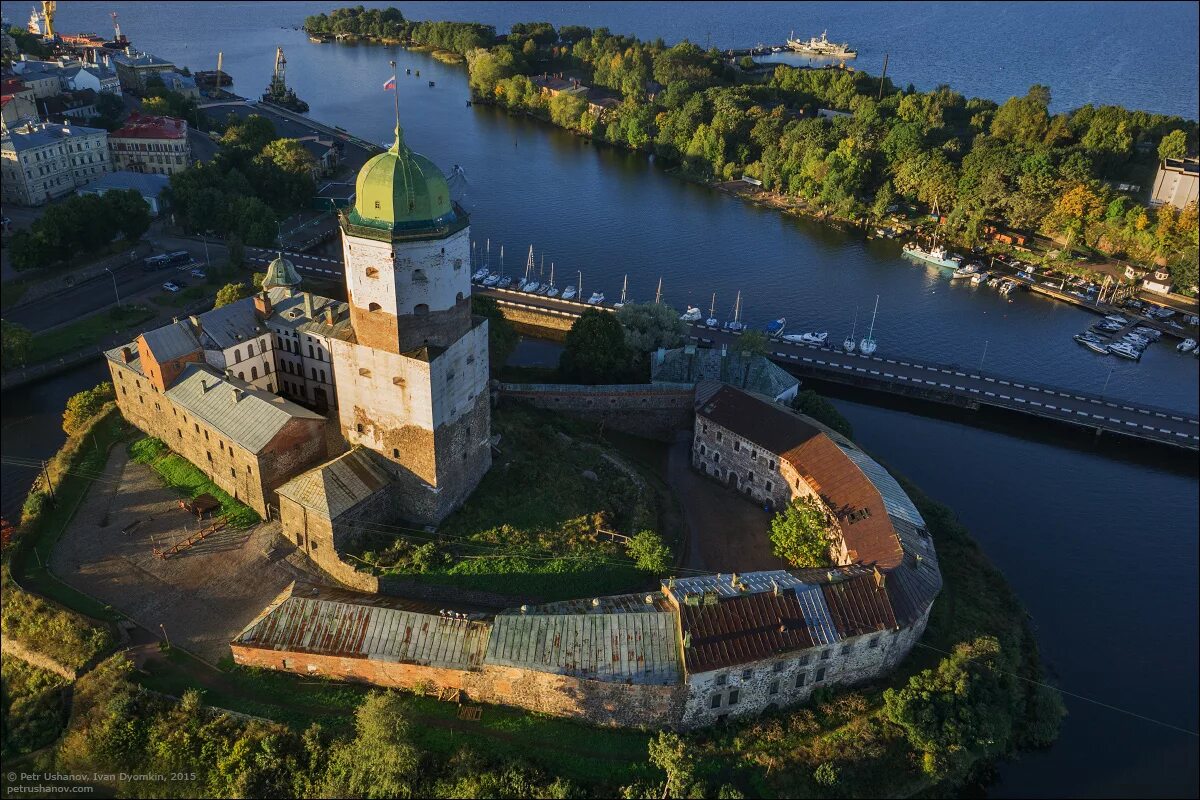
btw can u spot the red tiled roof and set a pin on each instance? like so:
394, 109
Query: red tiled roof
858, 505
738, 630
146, 126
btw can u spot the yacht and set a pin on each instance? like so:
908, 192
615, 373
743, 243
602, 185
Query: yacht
1096, 346
1186, 346
735, 325
480, 274
1125, 350
624, 290
596, 299
934, 255
978, 278
849, 344
820, 46
550, 291
868, 346
775, 329
1007, 287
807, 338
692, 314
568, 293
993, 282
492, 279
1117, 318
533, 287
965, 271
504, 283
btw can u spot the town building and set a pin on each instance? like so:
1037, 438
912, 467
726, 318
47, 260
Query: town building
17, 104
151, 144
552, 85
180, 83
1176, 182
42, 77
134, 69
150, 187
698, 651
44, 161
97, 77
69, 106
1159, 282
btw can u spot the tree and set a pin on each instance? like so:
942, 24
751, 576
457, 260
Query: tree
250, 135
953, 713
595, 350
649, 326
130, 211
379, 761
502, 336
84, 405
1173, 145
671, 753
16, 341
236, 254
231, 293
802, 533
566, 109
814, 405
649, 552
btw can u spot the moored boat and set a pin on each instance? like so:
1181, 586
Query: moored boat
775, 329
1186, 346
692, 314
935, 255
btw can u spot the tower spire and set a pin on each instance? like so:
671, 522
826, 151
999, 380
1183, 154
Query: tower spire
399, 143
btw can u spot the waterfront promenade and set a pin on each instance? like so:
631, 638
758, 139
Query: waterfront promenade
886, 372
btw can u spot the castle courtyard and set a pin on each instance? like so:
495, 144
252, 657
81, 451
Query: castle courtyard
203, 595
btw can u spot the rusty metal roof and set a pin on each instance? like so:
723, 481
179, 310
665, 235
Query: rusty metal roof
740, 630
308, 619
336, 486
647, 602
614, 647
858, 605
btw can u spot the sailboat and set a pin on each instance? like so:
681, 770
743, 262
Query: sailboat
735, 325
504, 281
868, 344
692, 314
570, 292
848, 345
658, 292
521, 284
551, 291
711, 322
624, 288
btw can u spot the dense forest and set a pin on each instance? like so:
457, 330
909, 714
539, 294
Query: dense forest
855, 146
389, 25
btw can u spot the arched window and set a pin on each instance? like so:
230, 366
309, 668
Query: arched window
254, 373
359, 427
374, 307
241, 376
458, 298
421, 309
237, 355
250, 350
418, 276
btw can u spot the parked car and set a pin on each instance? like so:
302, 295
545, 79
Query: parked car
170, 287
199, 274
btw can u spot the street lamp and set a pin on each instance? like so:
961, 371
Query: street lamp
1106, 380
204, 238
981, 358
114, 280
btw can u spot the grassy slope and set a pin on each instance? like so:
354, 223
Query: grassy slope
71, 337
184, 476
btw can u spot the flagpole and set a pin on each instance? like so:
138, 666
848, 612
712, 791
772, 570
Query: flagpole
396, 97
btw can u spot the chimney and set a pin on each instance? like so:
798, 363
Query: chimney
196, 326
660, 355
262, 304
308, 305
329, 318
880, 579
237, 394
126, 355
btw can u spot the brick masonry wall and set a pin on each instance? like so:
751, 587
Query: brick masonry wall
649, 410
597, 702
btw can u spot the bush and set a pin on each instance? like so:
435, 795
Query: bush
649, 552
85, 405
35, 504
47, 629
32, 705
16, 341
814, 405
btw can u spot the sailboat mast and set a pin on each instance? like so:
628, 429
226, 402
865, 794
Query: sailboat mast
542, 266
854, 324
501, 259
871, 332
737, 306
551, 274
489, 254
529, 263
658, 294
624, 286
712, 309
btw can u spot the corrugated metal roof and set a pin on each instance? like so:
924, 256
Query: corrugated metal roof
306, 619
171, 341
895, 500
251, 420
741, 630
621, 647
722, 583
611, 604
858, 605
336, 486
232, 324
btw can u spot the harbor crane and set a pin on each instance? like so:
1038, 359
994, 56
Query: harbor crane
48, 9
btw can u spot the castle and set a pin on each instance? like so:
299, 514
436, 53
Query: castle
342, 415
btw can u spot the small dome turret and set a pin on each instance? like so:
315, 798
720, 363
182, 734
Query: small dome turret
281, 273
401, 190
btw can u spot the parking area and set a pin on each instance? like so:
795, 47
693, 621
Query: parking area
202, 596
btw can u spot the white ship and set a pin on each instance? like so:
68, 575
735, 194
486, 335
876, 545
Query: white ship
934, 255
820, 46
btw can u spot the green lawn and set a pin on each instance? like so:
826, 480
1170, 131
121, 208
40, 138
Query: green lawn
89, 330
529, 529
12, 292
185, 477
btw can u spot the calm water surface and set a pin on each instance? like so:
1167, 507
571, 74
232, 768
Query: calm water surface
1101, 549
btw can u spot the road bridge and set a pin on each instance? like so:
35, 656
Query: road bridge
940, 383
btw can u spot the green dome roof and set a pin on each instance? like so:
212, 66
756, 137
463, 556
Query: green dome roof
401, 190
281, 272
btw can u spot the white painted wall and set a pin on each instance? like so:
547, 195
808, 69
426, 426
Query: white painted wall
434, 273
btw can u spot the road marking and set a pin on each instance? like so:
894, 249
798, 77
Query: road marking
976, 391
874, 372
1164, 430
1006, 383
1034, 403
960, 374
858, 369
890, 361
932, 383
819, 361
1113, 419
1097, 416
805, 358
888, 375
792, 355
990, 394
1050, 406
1018, 399
990, 380
1019, 385
1005, 397
1082, 413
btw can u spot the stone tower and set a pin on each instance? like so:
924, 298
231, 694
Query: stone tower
412, 375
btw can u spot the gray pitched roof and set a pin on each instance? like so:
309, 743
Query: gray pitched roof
171, 341
336, 486
231, 325
252, 419
144, 184
18, 139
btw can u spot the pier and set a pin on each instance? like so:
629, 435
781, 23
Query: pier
893, 374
